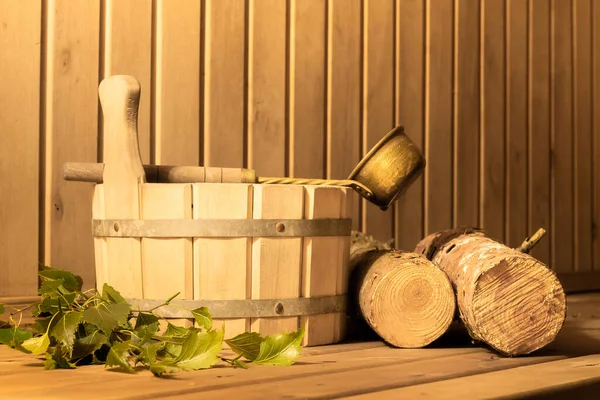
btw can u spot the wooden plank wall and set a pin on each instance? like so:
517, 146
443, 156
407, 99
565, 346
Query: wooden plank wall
503, 96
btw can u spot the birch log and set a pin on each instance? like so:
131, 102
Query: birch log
506, 298
402, 296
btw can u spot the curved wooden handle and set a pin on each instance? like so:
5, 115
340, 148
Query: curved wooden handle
120, 99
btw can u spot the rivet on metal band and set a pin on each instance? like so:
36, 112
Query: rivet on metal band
253, 308
169, 228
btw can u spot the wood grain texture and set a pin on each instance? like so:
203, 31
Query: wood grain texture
551, 379
306, 69
596, 131
177, 82
276, 262
582, 145
267, 87
307, 88
492, 165
71, 122
539, 126
378, 99
128, 50
466, 112
224, 80
438, 116
516, 123
321, 262
123, 176
223, 266
562, 233
20, 37
343, 93
167, 264
410, 97
100, 245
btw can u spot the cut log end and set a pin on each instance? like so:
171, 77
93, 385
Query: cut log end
405, 299
518, 306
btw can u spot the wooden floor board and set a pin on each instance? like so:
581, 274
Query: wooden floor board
522, 381
361, 368
119, 385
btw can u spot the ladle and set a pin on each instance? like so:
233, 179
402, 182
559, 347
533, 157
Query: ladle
384, 173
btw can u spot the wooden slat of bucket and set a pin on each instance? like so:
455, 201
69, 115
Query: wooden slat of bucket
222, 265
346, 210
276, 262
167, 263
320, 262
123, 174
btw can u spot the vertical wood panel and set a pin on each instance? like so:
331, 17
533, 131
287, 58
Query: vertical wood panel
492, 118
71, 122
224, 82
20, 36
438, 116
267, 87
177, 82
582, 146
128, 51
343, 93
410, 40
539, 124
307, 88
466, 113
596, 131
378, 99
562, 132
516, 123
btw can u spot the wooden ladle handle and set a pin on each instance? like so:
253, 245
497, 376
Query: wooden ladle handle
120, 99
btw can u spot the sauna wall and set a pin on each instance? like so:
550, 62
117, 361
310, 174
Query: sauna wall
502, 96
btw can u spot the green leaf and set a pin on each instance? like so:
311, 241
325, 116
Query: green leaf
246, 344
172, 350
118, 356
37, 345
49, 363
160, 368
41, 324
10, 336
110, 295
50, 286
145, 319
1, 309
60, 358
107, 316
148, 354
71, 282
64, 330
50, 304
281, 349
88, 344
203, 317
199, 350
142, 335
174, 331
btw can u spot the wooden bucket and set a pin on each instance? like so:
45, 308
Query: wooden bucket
263, 258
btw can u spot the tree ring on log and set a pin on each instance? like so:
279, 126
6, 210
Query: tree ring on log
403, 297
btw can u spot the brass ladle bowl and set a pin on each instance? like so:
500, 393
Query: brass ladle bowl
383, 174
390, 167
